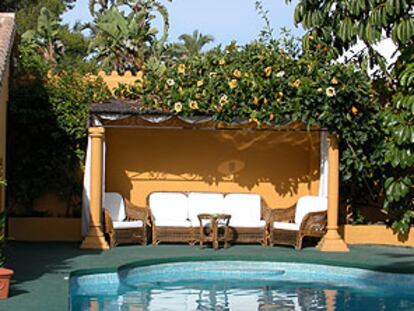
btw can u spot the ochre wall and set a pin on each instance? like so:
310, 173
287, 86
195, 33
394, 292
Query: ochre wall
280, 166
44, 229
376, 234
4, 95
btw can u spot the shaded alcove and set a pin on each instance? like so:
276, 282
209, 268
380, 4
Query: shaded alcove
281, 166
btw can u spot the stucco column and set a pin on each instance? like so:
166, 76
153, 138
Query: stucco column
95, 238
332, 241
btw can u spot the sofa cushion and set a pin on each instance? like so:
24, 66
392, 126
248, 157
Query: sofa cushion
245, 209
128, 224
169, 206
308, 204
114, 203
286, 226
199, 203
250, 224
173, 223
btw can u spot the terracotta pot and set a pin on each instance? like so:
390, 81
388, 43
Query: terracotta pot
5, 276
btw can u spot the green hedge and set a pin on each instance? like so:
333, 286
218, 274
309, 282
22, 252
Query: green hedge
47, 134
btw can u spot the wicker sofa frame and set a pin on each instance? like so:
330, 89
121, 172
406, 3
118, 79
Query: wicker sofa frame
191, 235
312, 225
128, 235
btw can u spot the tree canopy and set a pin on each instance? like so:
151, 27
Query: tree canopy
341, 24
265, 81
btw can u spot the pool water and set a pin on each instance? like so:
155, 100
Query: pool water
230, 285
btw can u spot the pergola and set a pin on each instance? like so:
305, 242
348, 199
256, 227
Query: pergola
123, 114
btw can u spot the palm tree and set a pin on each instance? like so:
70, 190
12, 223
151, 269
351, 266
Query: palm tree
122, 41
192, 45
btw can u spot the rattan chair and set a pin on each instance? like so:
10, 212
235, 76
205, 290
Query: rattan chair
290, 225
124, 222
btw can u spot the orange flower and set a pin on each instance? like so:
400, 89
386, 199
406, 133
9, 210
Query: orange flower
268, 71
233, 84
279, 96
223, 100
354, 110
237, 74
296, 83
256, 100
181, 69
193, 105
334, 81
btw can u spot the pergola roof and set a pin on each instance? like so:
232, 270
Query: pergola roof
118, 113
7, 32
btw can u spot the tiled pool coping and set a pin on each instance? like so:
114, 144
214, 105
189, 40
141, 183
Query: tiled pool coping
110, 283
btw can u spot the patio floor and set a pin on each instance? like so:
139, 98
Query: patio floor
42, 269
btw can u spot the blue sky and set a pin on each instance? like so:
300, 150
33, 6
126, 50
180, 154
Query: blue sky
226, 20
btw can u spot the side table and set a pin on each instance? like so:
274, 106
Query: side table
218, 231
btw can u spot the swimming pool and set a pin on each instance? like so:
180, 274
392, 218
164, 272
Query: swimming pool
241, 285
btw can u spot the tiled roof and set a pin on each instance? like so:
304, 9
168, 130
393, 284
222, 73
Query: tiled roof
7, 32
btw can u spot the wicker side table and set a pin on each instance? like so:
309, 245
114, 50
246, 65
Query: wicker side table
214, 233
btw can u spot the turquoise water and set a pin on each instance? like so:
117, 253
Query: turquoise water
237, 285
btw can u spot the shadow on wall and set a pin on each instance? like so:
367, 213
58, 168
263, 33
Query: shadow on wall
271, 163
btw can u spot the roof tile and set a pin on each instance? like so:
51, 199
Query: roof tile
7, 32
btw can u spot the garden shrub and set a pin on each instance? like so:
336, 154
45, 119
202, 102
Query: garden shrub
47, 134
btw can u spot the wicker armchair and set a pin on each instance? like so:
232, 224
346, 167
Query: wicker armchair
124, 222
306, 218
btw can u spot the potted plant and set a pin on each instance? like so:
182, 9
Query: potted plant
5, 274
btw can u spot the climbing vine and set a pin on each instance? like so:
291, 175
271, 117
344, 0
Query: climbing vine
272, 84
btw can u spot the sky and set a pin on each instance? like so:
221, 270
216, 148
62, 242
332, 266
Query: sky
225, 20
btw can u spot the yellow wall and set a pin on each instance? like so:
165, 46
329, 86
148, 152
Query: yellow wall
114, 79
280, 166
376, 234
4, 94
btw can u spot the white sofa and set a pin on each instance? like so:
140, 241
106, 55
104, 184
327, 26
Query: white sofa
175, 215
308, 218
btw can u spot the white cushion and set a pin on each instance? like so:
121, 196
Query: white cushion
169, 206
114, 203
199, 203
173, 223
250, 224
245, 209
285, 226
128, 224
309, 204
